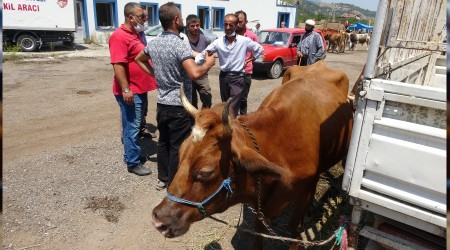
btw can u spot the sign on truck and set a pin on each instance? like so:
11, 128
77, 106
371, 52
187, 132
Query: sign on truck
396, 165
32, 23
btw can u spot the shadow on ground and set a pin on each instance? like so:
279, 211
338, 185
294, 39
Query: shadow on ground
59, 46
149, 146
320, 222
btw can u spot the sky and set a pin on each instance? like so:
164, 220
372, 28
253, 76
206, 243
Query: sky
364, 4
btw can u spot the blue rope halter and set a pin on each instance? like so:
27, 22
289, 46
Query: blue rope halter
225, 184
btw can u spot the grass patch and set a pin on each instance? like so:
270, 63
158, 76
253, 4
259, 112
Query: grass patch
10, 52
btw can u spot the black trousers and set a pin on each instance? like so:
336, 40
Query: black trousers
245, 91
174, 125
231, 86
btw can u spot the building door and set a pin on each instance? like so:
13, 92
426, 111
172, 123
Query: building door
283, 17
80, 22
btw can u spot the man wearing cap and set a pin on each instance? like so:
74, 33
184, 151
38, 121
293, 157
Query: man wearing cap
310, 48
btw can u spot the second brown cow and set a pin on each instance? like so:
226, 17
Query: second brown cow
300, 130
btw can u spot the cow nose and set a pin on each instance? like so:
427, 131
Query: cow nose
157, 223
161, 227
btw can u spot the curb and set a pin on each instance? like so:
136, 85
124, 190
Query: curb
78, 51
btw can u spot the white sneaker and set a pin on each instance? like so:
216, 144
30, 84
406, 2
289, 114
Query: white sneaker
160, 185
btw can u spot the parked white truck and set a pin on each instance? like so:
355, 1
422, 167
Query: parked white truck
396, 165
32, 23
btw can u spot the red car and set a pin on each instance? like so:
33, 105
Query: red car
280, 50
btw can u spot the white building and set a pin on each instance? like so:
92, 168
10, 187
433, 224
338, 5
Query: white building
97, 19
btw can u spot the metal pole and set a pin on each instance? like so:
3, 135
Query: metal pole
378, 26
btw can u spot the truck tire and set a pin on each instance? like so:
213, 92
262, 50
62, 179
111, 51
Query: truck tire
276, 70
27, 43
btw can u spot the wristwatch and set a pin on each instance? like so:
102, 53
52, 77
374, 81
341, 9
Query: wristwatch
126, 90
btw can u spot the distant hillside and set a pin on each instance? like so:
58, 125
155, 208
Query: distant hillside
330, 10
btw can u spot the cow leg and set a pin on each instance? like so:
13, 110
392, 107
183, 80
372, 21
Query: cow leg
301, 206
258, 240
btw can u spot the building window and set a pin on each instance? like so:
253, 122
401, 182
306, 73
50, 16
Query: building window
203, 14
152, 12
218, 18
105, 14
283, 17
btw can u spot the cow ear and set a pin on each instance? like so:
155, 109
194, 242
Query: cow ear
255, 163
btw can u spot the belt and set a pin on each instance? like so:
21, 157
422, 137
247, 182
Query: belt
232, 73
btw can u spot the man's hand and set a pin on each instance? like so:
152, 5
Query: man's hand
250, 59
210, 60
128, 98
299, 54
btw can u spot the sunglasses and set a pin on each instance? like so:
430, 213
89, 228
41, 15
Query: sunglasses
142, 17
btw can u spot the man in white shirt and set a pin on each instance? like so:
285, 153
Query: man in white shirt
257, 29
231, 50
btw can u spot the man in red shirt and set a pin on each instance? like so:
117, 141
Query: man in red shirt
131, 84
242, 30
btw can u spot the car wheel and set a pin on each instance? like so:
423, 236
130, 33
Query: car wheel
276, 70
27, 43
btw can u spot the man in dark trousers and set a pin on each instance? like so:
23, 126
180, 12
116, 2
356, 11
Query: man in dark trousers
173, 65
241, 29
198, 43
231, 50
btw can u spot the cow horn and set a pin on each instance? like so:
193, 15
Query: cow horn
226, 119
186, 104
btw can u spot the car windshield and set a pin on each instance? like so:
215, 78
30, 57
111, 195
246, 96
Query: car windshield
154, 31
274, 38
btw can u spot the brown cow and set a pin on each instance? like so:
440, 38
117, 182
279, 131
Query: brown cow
334, 41
300, 130
337, 41
346, 39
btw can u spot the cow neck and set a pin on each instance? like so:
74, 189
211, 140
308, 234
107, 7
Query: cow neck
258, 211
250, 134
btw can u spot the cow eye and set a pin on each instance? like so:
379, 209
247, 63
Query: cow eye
204, 175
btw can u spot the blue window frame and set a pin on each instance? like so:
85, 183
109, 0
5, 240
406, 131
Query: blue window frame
105, 13
283, 17
179, 6
218, 18
152, 11
204, 15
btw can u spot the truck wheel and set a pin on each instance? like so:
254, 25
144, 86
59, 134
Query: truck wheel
27, 43
276, 70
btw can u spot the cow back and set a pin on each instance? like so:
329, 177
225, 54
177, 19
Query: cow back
313, 115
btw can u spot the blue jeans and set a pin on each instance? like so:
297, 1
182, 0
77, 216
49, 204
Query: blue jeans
131, 120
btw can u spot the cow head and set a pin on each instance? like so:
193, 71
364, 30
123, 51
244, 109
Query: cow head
216, 170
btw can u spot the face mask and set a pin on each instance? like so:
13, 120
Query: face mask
139, 27
230, 35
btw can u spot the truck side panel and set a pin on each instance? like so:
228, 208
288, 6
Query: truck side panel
396, 165
50, 15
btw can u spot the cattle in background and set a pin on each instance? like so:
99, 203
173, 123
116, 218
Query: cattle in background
358, 38
267, 159
346, 39
335, 42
